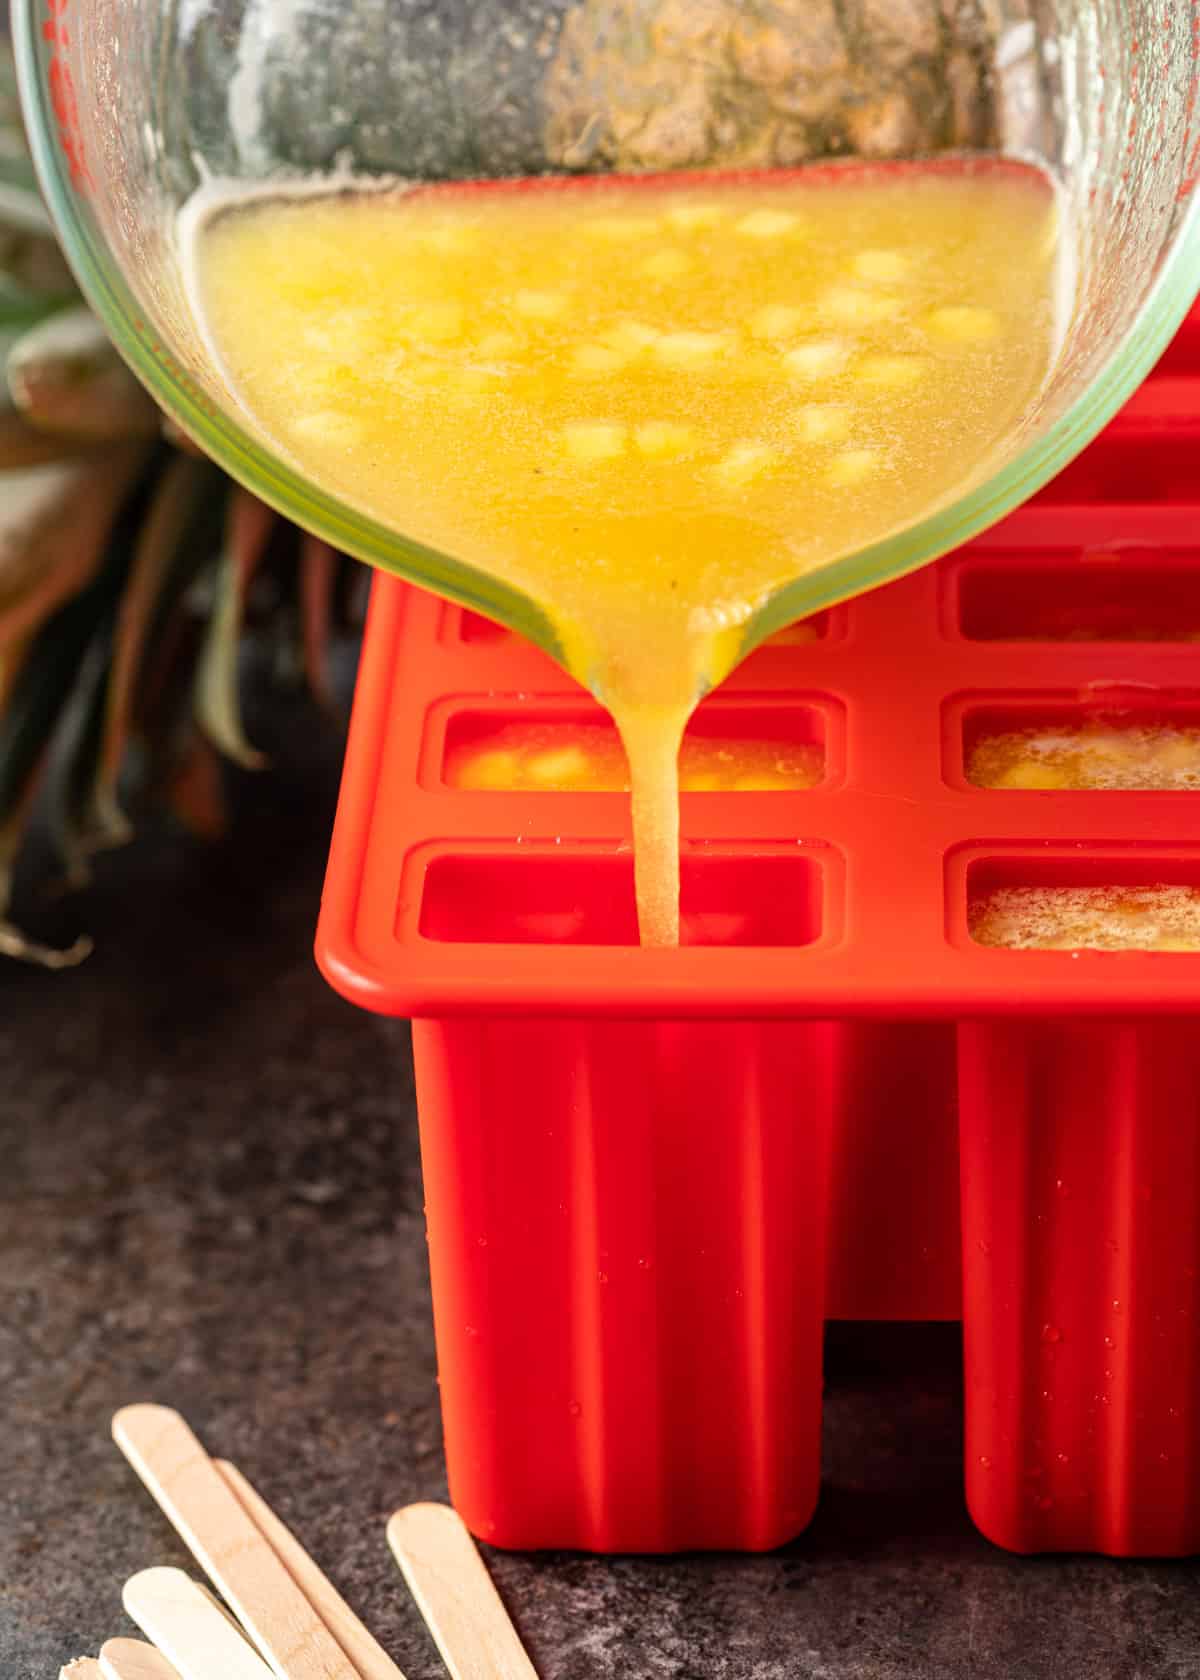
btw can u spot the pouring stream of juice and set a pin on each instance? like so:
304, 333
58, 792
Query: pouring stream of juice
647, 404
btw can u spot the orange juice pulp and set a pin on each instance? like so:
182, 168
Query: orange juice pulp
646, 405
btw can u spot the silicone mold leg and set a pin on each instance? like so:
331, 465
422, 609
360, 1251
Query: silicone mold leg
1081, 1240
627, 1244
895, 1173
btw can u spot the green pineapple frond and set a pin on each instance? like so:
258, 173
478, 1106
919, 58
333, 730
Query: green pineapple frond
130, 571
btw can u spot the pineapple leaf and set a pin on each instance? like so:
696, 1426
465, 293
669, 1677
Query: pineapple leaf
21, 445
194, 790
54, 522
21, 210
17, 173
88, 814
39, 696
66, 378
15, 944
77, 834
16, 165
24, 306
248, 530
173, 514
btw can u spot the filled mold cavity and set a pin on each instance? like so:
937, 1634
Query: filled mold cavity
1085, 903
1127, 593
559, 895
1031, 746
730, 747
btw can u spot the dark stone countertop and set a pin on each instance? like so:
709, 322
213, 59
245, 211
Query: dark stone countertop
211, 1198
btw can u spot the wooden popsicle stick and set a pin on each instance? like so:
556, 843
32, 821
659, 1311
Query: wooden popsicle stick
133, 1659
189, 1629
234, 1554
359, 1644
454, 1593
81, 1668
217, 1605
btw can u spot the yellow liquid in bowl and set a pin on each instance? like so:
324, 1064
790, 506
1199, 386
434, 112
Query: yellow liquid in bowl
647, 405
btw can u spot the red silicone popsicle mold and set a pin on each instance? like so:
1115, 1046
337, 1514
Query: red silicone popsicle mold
652, 1175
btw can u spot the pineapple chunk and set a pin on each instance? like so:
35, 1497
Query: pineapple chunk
346, 334
667, 264
848, 303
435, 323
890, 373
768, 224
590, 441
428, 373
821, 358
631, 336
744, 463
473, 379
328, 426
558, 765
852, 466
690, 349
689, 217
665, 440
597, 360
1031, 773
498, 344
777, 320
823, 423
540, 306
882, 267
964, 323
493, 772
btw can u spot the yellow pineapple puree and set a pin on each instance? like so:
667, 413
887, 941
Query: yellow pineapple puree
1152, 918
647, 405
588, 758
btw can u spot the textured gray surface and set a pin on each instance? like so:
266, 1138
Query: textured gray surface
211, 1198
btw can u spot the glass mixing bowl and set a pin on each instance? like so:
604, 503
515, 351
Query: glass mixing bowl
134, 104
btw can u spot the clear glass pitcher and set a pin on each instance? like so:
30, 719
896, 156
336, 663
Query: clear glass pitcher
132, 104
